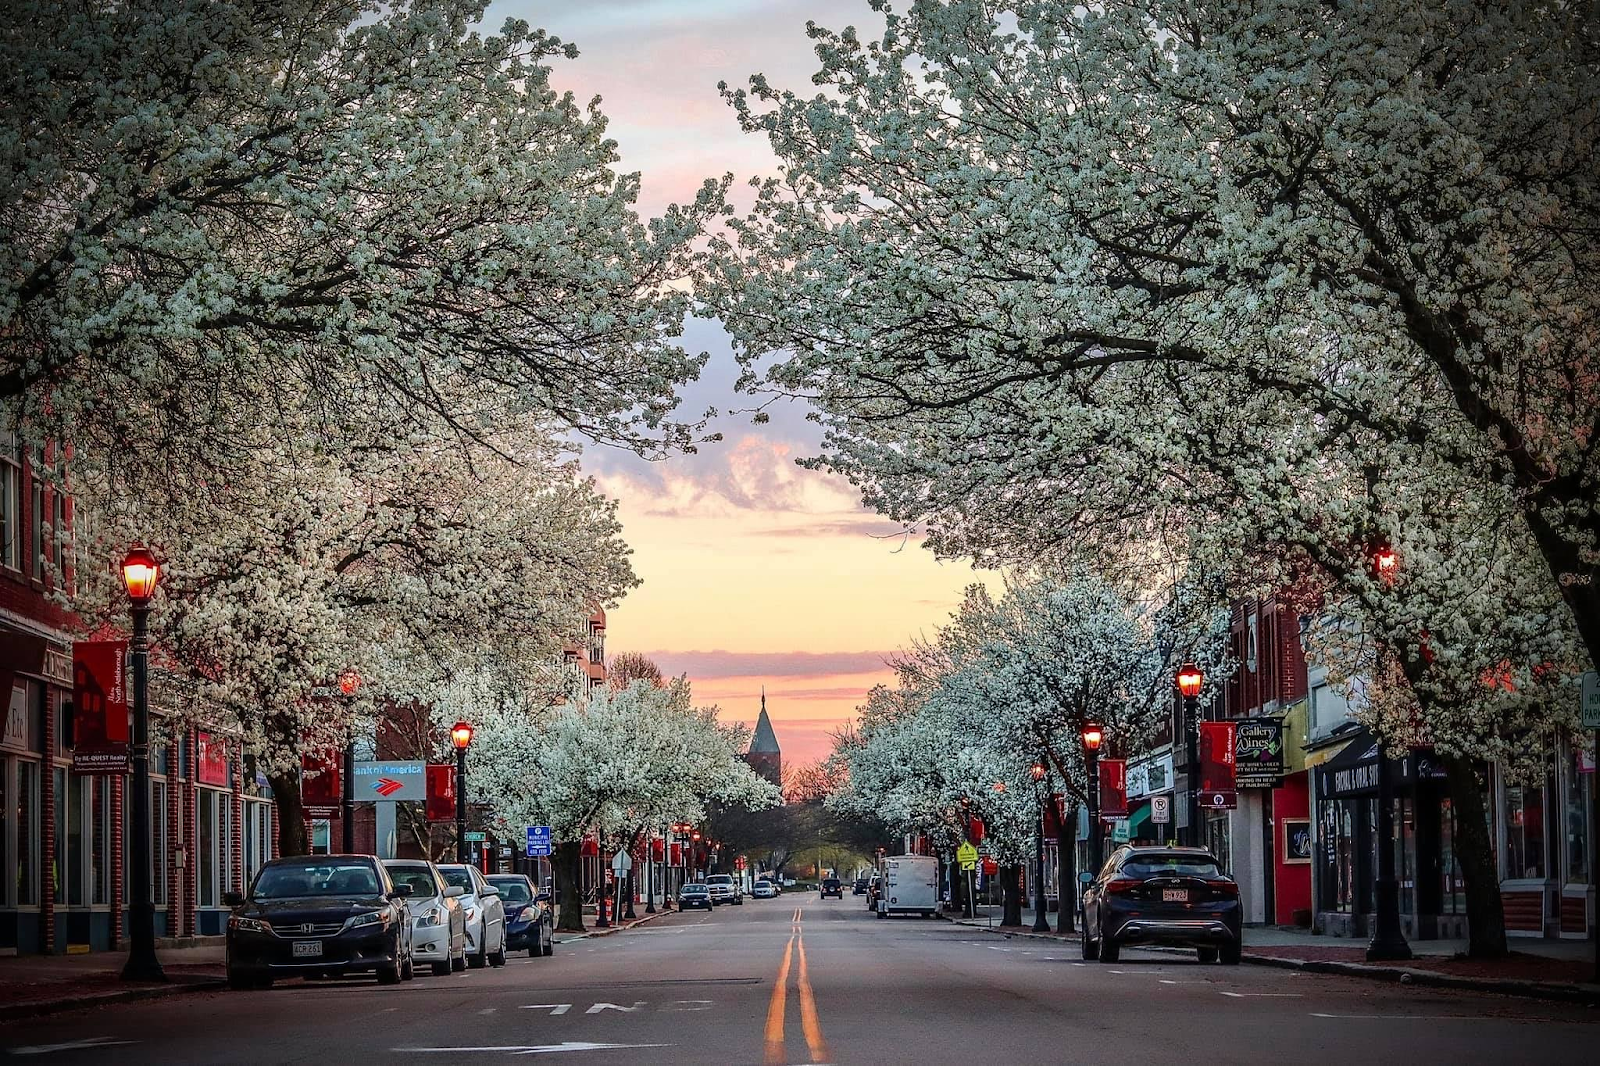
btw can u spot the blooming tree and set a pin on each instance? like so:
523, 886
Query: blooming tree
609, 764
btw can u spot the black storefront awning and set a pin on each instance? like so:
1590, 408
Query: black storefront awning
1354, 771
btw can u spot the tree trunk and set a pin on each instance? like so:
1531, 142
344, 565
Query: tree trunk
958, 888
1066, 875
1486, 919
567, 863
292, 838
1011, 894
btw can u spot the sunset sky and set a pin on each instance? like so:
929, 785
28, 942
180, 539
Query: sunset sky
755, 571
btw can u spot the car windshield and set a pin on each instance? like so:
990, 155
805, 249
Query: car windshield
420, 878
763, 881
1170, 865
514, 890
325, 878
694, 890
720, 879
457, 877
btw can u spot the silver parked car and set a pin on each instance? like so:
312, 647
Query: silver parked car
486, 915
439, 924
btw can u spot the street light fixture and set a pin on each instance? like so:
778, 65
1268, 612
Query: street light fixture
1190, 681
1388, 940
461, 738
349, 681
1093, 736
1040, 924
140, 572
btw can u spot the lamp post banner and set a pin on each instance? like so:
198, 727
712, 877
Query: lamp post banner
441, 792
320, 789
1113, 788
1218, 786
100, 707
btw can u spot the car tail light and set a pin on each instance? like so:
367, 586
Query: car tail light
1224, 888
1121, 885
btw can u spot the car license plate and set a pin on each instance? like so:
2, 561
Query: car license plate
1175, 895
308, 949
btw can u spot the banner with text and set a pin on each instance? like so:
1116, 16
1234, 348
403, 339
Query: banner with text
99, 707
1113, 788
319, 784
1218, 786
441, 792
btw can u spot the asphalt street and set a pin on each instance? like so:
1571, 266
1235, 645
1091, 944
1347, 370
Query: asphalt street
800, 980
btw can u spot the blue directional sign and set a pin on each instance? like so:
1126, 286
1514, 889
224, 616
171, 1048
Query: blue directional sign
538, 841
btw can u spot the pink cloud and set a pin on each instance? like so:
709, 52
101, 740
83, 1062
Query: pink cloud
719, 664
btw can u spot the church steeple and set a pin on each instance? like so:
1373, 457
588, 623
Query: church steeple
764, 756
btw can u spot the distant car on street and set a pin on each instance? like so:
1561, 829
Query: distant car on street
724, 889
316, 915
486, 915
1172, 896
530, 920
832, 886
438, 924
763, 889
859, 888
874, 889
695, 894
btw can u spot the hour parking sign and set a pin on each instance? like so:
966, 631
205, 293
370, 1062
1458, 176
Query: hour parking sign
538, 841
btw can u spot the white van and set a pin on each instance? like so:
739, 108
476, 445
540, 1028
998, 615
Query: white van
910, 886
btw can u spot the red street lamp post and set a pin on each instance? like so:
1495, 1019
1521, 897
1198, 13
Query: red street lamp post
461, 739
1190, 682
140, 572
1093, 735
1040, 924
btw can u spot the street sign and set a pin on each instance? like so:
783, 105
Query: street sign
967, 856
538, 841
390, 780
474, 836
1591, 700
622, 862
1161, 809
1119, 831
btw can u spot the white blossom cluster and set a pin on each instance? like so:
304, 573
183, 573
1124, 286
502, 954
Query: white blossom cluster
1010, 681
1248, 290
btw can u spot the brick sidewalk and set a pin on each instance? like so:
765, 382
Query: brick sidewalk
43, 984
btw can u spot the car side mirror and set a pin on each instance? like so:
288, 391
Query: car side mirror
1085, 878
453, 891
543, 897
489, 890
400, 892
232, 899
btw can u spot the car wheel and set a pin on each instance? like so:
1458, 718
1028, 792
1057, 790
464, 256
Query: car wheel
1231, 953
883, 914
389, 975
408, 970
264, 981
442, 969
1091, 948
481, 959
1207, 954
459, 963
1110, 950
239, 982
498, 958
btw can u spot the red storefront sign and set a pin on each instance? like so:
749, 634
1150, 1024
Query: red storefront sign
99, 707
657, 850
1218, 786
1113, 788
319, 785
441, 792
211, 760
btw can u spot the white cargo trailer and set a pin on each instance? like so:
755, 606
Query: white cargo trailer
910, 886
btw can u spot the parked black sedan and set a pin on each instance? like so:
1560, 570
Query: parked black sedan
319, 915
1174, 896
530, 920
695, 894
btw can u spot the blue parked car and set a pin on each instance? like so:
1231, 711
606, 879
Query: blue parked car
530, 920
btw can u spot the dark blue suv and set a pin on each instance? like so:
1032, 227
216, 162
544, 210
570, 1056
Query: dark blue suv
1171, 896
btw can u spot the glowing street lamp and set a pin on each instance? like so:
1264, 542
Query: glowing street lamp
1040, 924
461, 738
1093, 736
1190, 681
140, 572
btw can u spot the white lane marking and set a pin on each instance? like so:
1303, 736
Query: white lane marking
487, 1010
1263, 995
75, 1045
1167, 981
1428, 1017
638, 1004
553, 1008
531, 1049
688, 1005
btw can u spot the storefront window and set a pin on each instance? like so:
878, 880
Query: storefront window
160, 848
27, 833
206, 848
78, 830
58, 879
100, 864
1453, 894
1575, 823
1524, 821
1405, 850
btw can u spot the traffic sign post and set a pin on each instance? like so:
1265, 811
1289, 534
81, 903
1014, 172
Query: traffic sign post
967, 856
622, 862
1161, 809
538, 841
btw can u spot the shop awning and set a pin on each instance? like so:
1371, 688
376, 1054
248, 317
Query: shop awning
1138, 817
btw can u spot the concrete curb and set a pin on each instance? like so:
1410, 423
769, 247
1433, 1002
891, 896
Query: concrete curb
592, 933
1586, 995
19, 1011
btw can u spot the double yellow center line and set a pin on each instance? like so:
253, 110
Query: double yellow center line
794, 950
